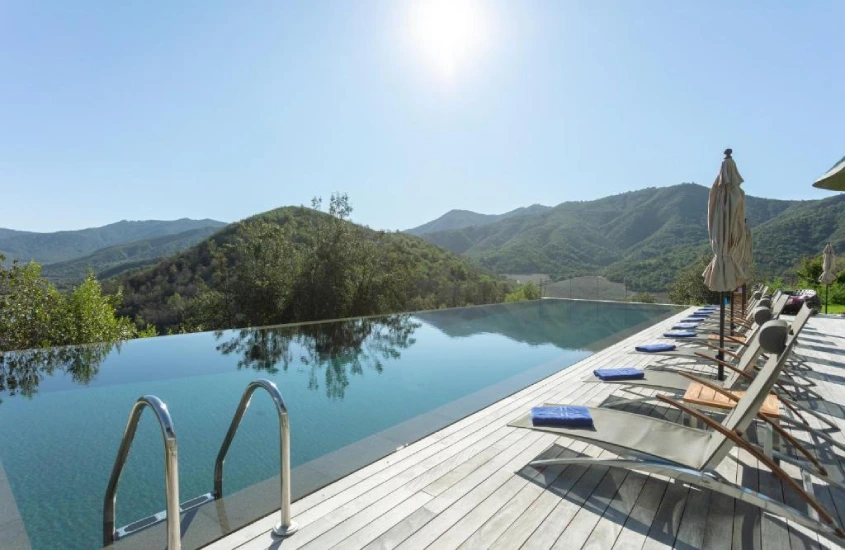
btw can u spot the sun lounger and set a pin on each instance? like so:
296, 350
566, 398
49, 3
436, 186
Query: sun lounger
740, 374
689, 454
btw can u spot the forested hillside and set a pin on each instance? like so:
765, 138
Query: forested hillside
300, 264
642, 237
60, 246
113, 260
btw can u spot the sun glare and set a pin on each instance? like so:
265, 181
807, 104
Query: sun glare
448, 34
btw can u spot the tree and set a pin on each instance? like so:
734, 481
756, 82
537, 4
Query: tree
527, 291
33, 314
689, 287
809, 271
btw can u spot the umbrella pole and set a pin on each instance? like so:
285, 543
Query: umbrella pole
826, 297
720, 355
744, 299
732, 313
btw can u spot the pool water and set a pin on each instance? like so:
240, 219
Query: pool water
63, 412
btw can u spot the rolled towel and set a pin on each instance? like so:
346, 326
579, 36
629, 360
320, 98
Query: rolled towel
685, 326
562, 415
680, 334
692, 320
623, 373
651, 348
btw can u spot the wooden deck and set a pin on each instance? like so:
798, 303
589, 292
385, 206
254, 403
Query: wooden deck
469, 486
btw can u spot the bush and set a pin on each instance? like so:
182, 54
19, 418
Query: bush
528, 291
643, 297
34, 314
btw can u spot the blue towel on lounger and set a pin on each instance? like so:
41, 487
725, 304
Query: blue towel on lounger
695, 320
651, 348
623, 373
679, 334
685, 326
562, 415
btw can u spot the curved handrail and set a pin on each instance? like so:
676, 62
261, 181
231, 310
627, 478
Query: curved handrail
286, 526
171, 470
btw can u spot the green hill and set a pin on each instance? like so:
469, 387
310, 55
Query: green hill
642, 236
298, 264
113, 260
62, 246
458, 219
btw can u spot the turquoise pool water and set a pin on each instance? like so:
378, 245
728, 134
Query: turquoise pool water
63, 412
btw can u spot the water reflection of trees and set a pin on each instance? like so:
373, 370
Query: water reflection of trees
21, 372
338, 350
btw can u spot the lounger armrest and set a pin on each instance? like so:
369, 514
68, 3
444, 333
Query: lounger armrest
735, 340
723, 350
740, 442
727, 365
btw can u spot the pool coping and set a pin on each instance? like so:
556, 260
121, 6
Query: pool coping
11, 523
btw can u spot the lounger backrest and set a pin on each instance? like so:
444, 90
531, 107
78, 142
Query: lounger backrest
800, 320
778, 304
752, 352
747, 408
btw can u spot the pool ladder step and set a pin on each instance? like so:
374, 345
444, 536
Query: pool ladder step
171, 468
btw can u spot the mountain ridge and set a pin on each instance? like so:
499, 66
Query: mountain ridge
642, 236
458, 219
60, 246
113, 260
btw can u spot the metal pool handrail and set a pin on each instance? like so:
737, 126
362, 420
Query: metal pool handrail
286, 526
171, 470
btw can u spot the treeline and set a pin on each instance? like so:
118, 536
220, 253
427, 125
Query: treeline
301, 264
34, 314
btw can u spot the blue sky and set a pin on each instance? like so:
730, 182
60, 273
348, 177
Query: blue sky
162, 110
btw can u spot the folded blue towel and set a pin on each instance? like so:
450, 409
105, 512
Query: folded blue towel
685, 326
651, 348
695, 320
679, 334
569, 416
623, 373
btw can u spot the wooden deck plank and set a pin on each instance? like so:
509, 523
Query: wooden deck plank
468, 485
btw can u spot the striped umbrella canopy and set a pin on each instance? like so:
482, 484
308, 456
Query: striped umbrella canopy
827, 277
726, 224
833, 179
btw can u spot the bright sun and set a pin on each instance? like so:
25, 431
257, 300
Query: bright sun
448, 34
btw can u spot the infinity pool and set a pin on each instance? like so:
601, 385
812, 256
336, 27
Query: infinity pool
393, 379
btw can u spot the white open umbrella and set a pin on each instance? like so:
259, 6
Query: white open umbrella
833, 179
827, 277
726, 223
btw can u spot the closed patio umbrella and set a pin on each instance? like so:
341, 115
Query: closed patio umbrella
726, 221
833, 179
746, 256
827, 276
